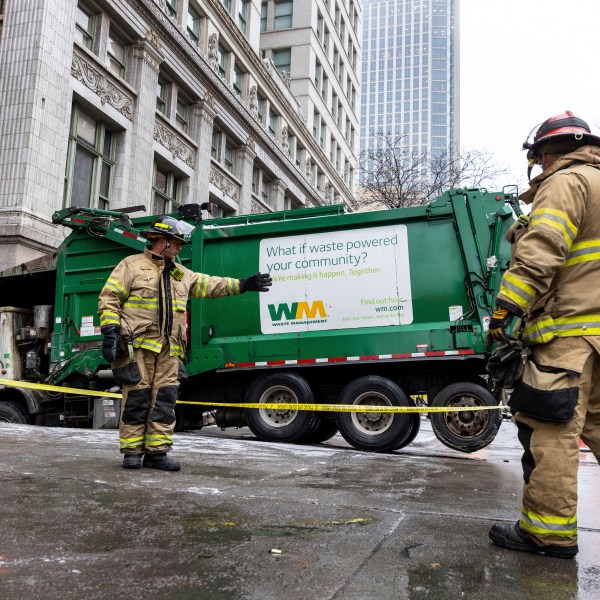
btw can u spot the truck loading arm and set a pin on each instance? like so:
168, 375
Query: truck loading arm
112, 225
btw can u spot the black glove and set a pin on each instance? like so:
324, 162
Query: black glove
113, 345
259, 282
505, 365
501, 320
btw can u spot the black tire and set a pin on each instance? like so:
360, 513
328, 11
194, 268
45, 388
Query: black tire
374, 432
465, 431
12, 413
415, 427
325, 428
272, 425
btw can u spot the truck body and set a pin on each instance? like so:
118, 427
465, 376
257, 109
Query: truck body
376, 308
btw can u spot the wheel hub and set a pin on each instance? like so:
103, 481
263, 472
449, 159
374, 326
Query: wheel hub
278, 417
466, 423
372, 423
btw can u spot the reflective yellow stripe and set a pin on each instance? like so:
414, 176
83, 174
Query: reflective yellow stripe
179, 305
175, 350
547, 329
131, 442
556, 219
139, 302
547, 524
583, 252
147, 344
518, 291
114, 286
204, 285
108, 317
157, 439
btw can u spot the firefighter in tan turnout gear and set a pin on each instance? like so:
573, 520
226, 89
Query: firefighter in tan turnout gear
553, 285
142, 311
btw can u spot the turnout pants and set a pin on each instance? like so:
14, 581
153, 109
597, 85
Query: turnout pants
148, 408
551, 449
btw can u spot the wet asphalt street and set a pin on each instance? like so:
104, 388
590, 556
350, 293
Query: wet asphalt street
245, 519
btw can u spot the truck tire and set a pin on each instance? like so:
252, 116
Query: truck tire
416, 426
375, 432
325, 428
12, 413
465, 431
272, 425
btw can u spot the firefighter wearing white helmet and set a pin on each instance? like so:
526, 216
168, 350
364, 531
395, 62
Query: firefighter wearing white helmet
142, 311
552, 284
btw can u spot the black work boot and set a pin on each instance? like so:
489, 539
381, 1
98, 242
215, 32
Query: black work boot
160, 460
132, 461
511, 536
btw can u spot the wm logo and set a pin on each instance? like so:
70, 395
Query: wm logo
297, 310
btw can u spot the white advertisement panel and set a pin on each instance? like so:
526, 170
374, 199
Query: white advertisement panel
336, 280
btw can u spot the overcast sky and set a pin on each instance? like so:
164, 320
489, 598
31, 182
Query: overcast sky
523, 61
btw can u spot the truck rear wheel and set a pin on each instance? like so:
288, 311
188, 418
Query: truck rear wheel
467, 431
325, 428
12, 413
375, 432
285, 425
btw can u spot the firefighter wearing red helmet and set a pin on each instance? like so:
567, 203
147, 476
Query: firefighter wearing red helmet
142, 311
552, 285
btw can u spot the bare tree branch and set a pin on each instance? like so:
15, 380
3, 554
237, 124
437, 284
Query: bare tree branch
393, 176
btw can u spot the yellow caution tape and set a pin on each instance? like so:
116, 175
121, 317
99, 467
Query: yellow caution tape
269, 406
58, 388
347, 407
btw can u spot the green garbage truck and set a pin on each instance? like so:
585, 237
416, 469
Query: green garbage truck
381, 308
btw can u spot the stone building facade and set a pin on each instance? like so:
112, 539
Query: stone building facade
156, 103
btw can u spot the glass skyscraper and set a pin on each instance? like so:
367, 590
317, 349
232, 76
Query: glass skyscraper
410, 76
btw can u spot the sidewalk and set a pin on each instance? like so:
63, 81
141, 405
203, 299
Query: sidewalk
250, 520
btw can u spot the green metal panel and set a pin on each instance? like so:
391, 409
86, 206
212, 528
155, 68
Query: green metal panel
447, 245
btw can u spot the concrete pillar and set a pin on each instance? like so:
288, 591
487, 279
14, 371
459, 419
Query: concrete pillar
201, 128
278, 189
246, 156
35, 91
147, 58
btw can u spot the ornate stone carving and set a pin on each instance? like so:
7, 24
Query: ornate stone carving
222, 182
153, 37
253, 102
286, 78
213, 50
209, 99
285, 145
251, 143
175, 144
99, 83
309, 167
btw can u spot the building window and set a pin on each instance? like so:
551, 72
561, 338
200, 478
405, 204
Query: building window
91, 159
223, 149
162, 96
283, 14
165, 191
263, 17
238, 80
229, 156
272, 121
282, 59
222, 61
262, 103
84, 27
193, 24
227, 5
182, 113
171, 7
243, 16
116, 54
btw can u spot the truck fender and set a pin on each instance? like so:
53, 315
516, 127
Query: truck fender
32, 399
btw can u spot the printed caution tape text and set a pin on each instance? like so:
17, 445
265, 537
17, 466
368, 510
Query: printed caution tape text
258, 405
